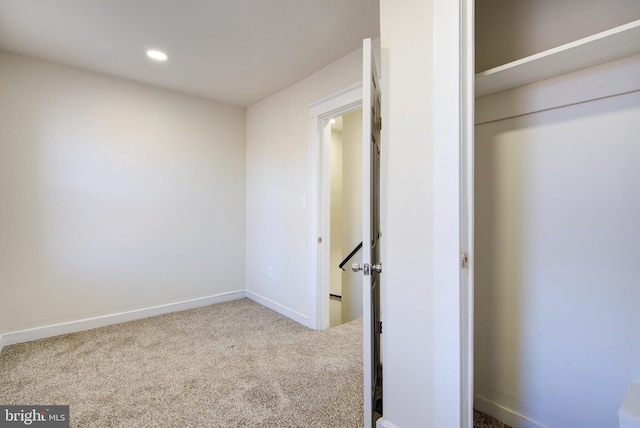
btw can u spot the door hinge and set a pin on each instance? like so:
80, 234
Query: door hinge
319, 239
464, 261
379, 327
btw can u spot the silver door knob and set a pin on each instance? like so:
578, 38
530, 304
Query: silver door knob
356, 267
377, 268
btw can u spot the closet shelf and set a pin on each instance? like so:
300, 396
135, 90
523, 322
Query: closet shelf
610, 45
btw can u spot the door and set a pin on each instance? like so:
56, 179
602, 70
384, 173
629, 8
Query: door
371, 266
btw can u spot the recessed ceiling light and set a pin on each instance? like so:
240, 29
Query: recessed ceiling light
332, 121
157, 55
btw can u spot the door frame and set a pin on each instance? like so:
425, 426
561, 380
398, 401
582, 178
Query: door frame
453, 103
467, 201
320, 112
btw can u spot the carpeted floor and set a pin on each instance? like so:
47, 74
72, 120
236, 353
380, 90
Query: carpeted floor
480, 420
235, 364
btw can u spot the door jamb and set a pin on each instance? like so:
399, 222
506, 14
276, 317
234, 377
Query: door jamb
342, 102
467, 144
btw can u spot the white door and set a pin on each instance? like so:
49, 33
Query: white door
371, 266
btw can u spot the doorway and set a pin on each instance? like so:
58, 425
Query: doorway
345, 223
366, 97
321, 113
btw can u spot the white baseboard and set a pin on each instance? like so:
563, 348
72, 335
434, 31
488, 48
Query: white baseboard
282, 310
501, 413
381, 423
101, 321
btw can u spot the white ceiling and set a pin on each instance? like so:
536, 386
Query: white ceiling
235, 51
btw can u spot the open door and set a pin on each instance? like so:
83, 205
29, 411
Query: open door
371, 266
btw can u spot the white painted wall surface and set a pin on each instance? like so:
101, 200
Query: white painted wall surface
508, 30
411, 345
421, 50
335, 274
336, 212
407, 212
115, 196
351, 212
278, 179
557, 209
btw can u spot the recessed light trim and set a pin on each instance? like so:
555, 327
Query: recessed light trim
157, 55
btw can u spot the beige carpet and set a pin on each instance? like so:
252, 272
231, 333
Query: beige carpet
480, 420
235, 364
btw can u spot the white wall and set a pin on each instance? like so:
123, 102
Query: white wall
351, 212
336, 222
555, 226
278, 179
406, 37
115, 195
557, 212
335, 227
346, 217
420, 183
508, 30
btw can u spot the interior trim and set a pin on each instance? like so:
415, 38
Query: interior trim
104, 320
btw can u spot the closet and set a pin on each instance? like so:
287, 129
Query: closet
557, 210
